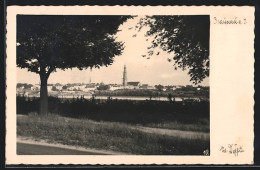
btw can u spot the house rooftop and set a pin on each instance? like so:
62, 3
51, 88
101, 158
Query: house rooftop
133, 83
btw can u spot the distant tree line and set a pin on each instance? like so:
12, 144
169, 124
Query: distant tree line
103, 87
25, 85
54, 88
127, 111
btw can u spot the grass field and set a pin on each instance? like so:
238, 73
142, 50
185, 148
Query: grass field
105, 135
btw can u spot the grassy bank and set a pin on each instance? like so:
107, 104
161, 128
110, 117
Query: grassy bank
106, 135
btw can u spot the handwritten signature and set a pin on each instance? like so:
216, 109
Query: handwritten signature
232, 21
232, 149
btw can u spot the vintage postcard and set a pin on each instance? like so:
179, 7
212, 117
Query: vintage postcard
129, 85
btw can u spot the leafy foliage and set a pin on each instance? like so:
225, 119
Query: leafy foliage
45, 43
64, 87
159, 87
25, 85
103, 87
186, 37
114, 110
53, 88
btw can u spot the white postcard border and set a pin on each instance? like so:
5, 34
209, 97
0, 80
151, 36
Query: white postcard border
231, 84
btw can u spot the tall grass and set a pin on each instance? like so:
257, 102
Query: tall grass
106, 135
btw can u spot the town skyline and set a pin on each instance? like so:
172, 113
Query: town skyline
120, 82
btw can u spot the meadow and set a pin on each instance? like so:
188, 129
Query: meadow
116, 125
111, 136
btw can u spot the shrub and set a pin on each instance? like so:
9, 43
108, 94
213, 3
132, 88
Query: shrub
121, 110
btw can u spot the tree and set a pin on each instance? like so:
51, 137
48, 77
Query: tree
170, 97
159, 87
47, 43
25, 85
64, 87
19, 85
54, 88
168, 88
103, 87
186, 37
57, 84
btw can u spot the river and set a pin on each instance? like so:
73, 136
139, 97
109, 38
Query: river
129, 98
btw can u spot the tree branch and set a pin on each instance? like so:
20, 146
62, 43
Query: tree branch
50, 70
38, 72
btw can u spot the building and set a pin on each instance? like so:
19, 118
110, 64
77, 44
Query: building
116, 87
36, 87
151, 87
90, 87
144, 86
133, 85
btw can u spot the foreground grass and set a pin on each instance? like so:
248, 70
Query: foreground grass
106, 135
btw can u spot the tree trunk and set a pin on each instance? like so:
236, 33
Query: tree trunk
44, 95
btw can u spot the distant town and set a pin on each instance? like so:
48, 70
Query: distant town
127, 88
79, 89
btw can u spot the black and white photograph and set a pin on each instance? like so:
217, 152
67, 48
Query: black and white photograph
129, 84
120, 84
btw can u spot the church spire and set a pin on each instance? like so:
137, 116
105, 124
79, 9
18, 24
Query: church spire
124, 77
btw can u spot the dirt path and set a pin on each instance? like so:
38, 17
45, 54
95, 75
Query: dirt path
176, 133
29, 146
35, 149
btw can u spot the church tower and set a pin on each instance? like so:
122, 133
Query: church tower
124, 77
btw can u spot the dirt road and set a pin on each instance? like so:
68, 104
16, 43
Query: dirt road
176, 133
32, 149
27, 146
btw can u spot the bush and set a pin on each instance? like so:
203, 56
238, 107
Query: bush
120, 110
103, 87
54, 88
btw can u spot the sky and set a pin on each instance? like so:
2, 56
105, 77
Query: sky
153, 71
